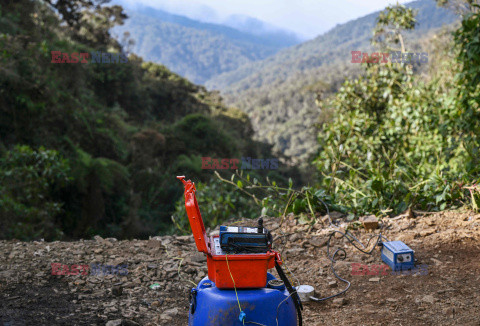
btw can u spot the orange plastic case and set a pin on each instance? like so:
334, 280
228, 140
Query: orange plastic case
248, 270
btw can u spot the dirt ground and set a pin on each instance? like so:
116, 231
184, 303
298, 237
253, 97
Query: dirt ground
446, 291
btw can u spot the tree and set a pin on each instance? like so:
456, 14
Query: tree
391, 22
71, 10
90, 21
28, 181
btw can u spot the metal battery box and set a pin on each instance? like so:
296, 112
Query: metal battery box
398, 255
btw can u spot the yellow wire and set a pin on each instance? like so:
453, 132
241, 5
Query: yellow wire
179, 266
234, 287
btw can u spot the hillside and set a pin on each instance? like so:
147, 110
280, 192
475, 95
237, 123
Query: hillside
197, 50
94, 148
279, 92
93, 221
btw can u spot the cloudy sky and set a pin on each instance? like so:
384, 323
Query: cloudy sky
307, 18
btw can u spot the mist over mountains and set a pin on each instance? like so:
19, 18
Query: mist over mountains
200, 50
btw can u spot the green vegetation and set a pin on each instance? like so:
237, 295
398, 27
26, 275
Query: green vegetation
94, 148
397, 140
217, 203
392, 139
280, 92
198, 51
244, 195
28, 182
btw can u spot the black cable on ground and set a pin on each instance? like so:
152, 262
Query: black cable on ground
336, 275
292, 291
352, 240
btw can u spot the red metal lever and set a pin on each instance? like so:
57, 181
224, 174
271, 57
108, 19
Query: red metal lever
194, 216
182, 178
189, 185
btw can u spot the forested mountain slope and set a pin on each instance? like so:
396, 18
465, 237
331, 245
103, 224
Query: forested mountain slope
197, 50
94, 147
279, 92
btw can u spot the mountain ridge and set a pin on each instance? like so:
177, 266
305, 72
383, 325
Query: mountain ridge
280, 93
277, 87
337, 37
195, 49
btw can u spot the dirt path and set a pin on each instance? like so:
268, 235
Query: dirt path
446, 245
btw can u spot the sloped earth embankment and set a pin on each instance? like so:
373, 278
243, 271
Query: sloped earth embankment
446, 291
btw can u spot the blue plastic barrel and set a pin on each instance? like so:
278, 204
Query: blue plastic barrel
210, 306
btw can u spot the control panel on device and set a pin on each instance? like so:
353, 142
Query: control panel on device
240, 239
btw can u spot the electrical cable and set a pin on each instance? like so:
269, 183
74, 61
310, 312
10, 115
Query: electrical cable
291, 273
335, 226
276, 318
347, 234
234, 287
296, 299
352, 240
236, 295
179, 267
328, 213
336, 275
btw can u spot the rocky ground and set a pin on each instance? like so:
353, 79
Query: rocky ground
446, 245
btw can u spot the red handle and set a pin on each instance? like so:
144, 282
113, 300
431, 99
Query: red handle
194, 216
